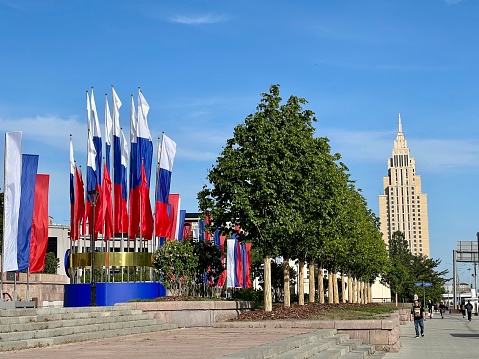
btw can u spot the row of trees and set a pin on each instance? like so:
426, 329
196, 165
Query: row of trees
280, 187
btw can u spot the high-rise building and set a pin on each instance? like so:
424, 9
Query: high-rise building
403, 206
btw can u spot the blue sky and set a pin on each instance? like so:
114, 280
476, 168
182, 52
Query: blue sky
203, 64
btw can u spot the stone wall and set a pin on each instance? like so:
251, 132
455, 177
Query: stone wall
192, 313
384, 333
41, 288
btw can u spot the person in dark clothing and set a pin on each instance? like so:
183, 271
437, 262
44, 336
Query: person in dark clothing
429, 308
469, 310
463, 310
442, 309
418, 314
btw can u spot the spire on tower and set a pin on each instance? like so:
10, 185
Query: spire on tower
399, 123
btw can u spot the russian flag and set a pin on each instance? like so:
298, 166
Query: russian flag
13, 174
120, 160
166, 155
73, 227
39, 238
29, 177
134, 212
94, 148
174, 205
181, 224
144, 156
79, 203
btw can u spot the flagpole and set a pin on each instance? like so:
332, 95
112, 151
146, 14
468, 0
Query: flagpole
4, 216
88, 111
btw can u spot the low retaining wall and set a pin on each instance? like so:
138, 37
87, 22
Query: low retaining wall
42, 288
384, 334
192, 313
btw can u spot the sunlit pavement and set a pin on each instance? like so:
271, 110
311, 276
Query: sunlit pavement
452, 337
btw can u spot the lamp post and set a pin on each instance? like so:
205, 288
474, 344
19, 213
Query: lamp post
93, 198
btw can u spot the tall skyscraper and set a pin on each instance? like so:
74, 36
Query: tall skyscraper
403, 206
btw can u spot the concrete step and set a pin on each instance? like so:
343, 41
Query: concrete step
58, 323
28, 328
321, 344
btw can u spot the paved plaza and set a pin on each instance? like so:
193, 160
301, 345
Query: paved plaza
451, 337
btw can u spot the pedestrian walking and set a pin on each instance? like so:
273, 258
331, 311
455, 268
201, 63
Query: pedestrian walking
418, 315
468, 307
442, 309
429, 308
463, 310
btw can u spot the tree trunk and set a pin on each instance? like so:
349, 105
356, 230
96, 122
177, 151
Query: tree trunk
356, 291
330, 288
312, 293
268, 302
350, 288
362, 292
301, 283
396, 299
370, 292
343, 288
286, 283
320, 285
336, 289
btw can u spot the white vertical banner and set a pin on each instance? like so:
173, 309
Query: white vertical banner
230, 263
12, 194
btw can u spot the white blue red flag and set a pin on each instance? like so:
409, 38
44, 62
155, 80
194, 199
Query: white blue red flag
166, 156
144, 156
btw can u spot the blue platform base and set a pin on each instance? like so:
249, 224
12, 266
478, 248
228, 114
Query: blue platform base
78, 295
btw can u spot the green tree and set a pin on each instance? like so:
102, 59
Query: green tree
51, 263
398, 274
254, 181
209, 261
175, 264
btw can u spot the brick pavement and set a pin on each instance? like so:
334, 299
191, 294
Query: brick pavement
183, 343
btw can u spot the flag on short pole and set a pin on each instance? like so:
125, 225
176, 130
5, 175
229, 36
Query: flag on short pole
39, 239
13, 174
25, 216
166, 155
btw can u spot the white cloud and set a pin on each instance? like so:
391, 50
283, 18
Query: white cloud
198, 19
51, 130
432, 155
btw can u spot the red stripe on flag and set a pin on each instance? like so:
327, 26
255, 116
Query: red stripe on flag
39, 237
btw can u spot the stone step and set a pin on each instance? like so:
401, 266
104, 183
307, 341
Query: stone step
51, 324
29, 328
72, 338
75, 329
320, 344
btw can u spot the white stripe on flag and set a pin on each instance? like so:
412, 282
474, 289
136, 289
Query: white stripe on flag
13, 176
230, 264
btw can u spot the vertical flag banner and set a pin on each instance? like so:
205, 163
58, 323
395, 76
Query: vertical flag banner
181, 224
39, 240
73, 227
91, 180
29, 177
96, 135
238, 265
79, 203
230, 262
144, 156
120, 160
106, 197
166, 155
108, 132
13, 174
174, 202
134, 167
107, 204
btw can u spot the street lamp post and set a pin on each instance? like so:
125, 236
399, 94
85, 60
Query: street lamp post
93, 198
